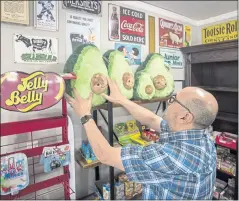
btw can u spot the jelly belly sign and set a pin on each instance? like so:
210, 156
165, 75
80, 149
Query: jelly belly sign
170, 34
22, 92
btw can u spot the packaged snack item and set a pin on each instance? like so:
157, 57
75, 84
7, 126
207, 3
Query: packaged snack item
118, 191
218, 188
14, 173
55, 157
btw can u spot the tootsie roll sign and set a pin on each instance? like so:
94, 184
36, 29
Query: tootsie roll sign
92, 7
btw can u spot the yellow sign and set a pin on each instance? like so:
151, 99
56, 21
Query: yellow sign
220, 32
187, 36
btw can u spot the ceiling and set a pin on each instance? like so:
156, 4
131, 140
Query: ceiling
197, 10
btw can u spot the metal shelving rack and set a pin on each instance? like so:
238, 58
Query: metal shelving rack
214, 67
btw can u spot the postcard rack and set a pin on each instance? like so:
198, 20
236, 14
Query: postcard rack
22, 127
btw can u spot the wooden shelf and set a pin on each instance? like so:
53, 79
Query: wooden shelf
227, 117
223, 89
82, 162
105, 105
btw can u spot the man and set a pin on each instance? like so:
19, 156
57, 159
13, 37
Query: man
183, 164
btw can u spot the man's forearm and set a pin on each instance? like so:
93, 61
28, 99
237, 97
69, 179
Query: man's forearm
102, 149
141, 114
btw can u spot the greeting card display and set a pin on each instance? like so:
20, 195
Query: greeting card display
14, 173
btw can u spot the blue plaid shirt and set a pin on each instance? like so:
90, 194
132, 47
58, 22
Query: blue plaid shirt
181, 166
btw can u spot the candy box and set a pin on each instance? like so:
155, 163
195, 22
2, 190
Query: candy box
14, 173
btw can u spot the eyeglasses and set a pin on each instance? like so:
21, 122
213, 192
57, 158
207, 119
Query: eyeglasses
174, 99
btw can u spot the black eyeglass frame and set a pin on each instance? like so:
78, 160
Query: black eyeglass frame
173, 98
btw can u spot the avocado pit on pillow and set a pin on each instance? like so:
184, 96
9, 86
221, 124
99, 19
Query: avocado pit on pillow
149, 89
159, 82
128, 80
98, 83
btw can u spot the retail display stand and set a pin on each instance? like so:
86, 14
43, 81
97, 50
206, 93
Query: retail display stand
214, 67
21, 127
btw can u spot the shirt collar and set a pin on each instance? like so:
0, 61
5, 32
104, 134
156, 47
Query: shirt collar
182, 135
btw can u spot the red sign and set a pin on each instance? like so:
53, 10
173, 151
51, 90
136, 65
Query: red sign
170, 34
37, 91
126, 25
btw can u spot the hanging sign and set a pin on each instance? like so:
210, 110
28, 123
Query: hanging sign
220, 32
170, 34
15, 12
23, 92
126, 25
92, 7
172, 56
187, 36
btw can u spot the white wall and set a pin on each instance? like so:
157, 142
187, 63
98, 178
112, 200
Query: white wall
84, 178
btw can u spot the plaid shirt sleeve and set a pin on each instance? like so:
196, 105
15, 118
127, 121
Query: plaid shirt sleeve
142, 164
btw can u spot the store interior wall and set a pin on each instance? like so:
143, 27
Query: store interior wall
84, 177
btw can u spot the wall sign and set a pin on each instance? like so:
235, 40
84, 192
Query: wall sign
15, 12
187, 36
81, 29
172, 56
46, 15
92, 7
220, 32
126, 25
35, 49
132, 52
170, 34
23, 92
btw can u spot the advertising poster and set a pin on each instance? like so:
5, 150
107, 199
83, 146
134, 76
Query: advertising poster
46, 15
35, 49
172, 56
81, 29
187, 36
15, 12
126, 25
170, 34
131, 52
91, 7
220, 32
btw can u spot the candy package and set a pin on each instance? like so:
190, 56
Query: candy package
55, 157
14, 173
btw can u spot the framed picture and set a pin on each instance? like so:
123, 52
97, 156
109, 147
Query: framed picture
46, 15
15, 12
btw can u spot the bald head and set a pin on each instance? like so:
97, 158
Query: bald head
202, 104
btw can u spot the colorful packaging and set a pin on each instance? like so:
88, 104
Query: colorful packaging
14, 173
55, 157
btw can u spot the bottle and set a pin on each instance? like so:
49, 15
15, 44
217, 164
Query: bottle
114, 21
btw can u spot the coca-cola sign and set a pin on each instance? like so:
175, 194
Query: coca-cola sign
170, 34
92, 7
126, 25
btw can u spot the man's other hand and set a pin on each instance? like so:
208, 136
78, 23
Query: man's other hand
115, 93
81, 106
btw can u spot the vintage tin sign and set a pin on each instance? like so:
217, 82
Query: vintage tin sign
220, 32
170, 34
172, 56
22, 92
91, 7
